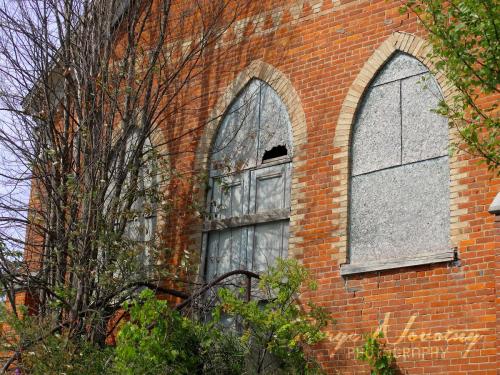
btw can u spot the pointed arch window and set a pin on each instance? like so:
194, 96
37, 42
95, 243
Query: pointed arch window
249, 195
139, 214
142, 214
399, 212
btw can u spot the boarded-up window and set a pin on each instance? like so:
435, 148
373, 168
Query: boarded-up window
399, 188
249, 196
142, 224
140, 218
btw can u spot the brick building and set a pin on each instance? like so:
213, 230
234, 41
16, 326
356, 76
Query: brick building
341, 164
396, 232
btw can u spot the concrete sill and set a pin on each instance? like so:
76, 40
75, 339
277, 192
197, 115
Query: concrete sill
429, 258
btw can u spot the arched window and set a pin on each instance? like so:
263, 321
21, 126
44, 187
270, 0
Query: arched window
142, 215
249, 195
136, 206
399, 186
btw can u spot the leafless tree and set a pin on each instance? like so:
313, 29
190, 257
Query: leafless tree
85, 87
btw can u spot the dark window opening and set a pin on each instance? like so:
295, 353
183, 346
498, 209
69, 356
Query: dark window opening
275, 152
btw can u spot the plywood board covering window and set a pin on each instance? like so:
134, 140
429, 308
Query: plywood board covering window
399, 211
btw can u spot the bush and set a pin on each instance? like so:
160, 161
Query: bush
57, 354
277, 330
269, 335
45, 351
158, 340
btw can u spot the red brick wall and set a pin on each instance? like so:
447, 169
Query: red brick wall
439, 319
496, 243
449, 310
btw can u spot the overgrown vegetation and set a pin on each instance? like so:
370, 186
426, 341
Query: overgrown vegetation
465, 39
159, 340
272, 334
86, 88
276, 329
42, 349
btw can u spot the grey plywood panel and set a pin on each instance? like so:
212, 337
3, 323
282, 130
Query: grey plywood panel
140, 228
268, 244
228, 196
424, 133
131, 231
236, 260
401, 65
270, 192
236, 199
400, 212
149, 228
225, 250
275, 127
377, 130
212, 256
235, 147
270, 188
284, 239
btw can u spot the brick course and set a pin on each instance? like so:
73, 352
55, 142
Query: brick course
320, 56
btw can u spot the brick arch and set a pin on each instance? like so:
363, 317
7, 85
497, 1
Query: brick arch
290, 98
274, 78
420, 49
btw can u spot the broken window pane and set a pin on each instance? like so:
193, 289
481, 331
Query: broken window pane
249, 201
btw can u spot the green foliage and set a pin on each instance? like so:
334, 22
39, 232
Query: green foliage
47, 352
268, 335
58, 354
465, 36
276, 329
375, 354
158, 340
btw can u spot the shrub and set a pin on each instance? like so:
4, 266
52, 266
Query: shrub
158, 340
277, 329
269, 335
45, 351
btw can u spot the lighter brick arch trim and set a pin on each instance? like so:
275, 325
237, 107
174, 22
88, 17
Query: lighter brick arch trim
290, 98
283, 87
420, 49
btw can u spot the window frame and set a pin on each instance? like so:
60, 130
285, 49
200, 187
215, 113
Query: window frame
248, 220
446, 255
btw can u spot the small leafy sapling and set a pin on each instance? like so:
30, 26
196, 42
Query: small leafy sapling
376, 355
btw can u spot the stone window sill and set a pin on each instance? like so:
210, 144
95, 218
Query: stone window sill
381, 265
